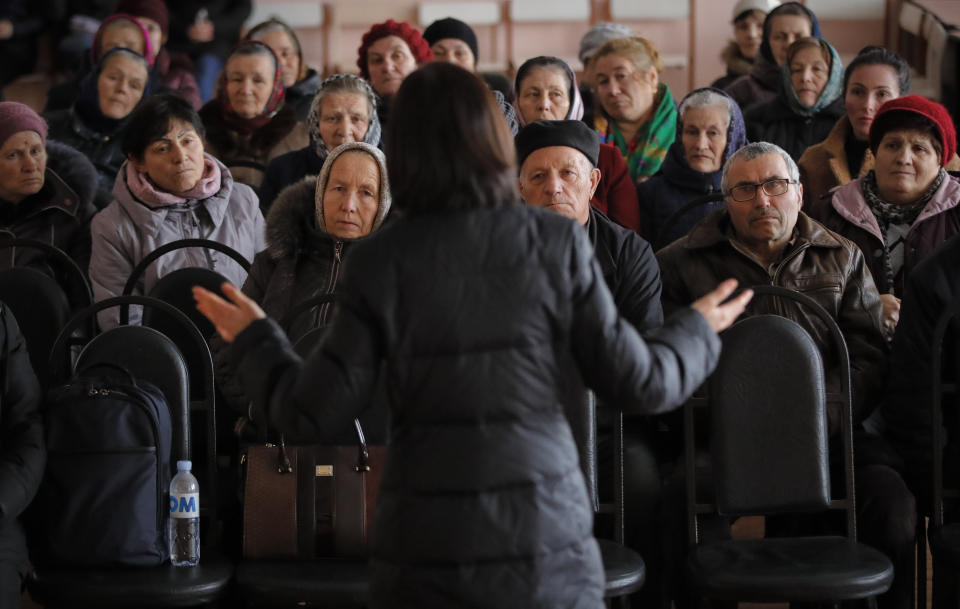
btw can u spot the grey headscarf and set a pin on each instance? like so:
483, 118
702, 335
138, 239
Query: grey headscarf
342, 83
324, 177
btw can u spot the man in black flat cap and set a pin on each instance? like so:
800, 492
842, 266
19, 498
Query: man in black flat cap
557, 161
558, 171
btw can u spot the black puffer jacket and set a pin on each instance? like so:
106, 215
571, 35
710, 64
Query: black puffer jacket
485, 322
776, 123
22, 453
300, 94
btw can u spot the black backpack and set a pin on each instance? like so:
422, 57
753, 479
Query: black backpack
103, 499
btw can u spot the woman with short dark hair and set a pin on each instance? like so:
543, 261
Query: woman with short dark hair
481, 311
169, 189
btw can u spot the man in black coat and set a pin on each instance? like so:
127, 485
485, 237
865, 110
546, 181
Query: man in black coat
22, 454
558, 171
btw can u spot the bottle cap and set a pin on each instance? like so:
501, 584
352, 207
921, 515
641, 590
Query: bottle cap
184, 466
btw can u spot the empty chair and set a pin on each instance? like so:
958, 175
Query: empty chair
769, 454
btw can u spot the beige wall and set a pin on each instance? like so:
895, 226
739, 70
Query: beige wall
691, 46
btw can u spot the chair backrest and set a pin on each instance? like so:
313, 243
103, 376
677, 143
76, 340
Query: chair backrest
166, 248
205, 436
663, 235
39, 302
945, 387
767, 405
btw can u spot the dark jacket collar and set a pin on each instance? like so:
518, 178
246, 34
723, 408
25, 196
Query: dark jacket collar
55, 195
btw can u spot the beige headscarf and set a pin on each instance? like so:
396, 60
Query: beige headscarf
324, 177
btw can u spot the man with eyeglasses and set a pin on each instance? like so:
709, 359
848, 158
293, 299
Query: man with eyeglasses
762, 237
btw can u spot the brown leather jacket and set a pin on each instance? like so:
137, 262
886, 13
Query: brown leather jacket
819, 263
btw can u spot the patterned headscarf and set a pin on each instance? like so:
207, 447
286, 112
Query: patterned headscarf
313, 117
274, 103
324, 177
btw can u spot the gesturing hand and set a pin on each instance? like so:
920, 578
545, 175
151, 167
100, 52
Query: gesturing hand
229, 319
718, 315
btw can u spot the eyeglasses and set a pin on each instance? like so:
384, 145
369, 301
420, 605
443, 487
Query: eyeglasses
747, 192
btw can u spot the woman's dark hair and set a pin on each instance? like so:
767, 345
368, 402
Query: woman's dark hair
897, 120
448, 145
810, 43
879, 56
151, 121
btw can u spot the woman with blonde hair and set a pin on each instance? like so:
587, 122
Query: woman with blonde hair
637, 112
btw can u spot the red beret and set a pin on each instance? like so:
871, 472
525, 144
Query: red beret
922, 106
418, 46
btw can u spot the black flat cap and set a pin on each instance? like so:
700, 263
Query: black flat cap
542, 134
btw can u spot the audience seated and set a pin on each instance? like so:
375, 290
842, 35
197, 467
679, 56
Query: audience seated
557, 163
547, 90
343, 110
903, 416
300, 81
596, 37
117, 30
249, 123
637, 113
709, 129
783, 26
22, 455
388, 53
20, 23
35, 203
902, 209
762, 237
875, 76
169, 189
740, 53
311, 230
174, 72
206, 32
107, 97
455, 42
809, 102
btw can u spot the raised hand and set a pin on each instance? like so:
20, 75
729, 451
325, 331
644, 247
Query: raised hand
718, 315
230, 318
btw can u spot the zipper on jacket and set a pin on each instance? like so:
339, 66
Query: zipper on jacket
334, 275
776, 274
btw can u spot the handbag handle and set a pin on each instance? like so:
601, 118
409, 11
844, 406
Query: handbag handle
363, 454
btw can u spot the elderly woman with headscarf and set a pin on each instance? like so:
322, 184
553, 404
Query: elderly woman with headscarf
546, 90
248, 123
637, 112
907, 205
35, 203
709, 129
343, 110
300, 81
107, 97
169, 189
809, 103
311, 229
388, 52
783, 26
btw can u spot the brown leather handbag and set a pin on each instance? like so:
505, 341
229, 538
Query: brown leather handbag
310, 501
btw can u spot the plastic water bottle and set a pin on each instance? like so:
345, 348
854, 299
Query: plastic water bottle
184, 522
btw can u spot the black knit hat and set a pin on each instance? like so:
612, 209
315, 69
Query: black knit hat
451, 28
542, 134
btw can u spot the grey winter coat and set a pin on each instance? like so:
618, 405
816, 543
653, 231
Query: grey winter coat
483, 322
127, 230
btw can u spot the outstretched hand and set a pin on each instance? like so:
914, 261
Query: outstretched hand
230, 318
721, 314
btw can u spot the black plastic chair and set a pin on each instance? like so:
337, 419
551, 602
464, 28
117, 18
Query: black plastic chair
148, 354
770, 455
39, 302
944, 536
668, 224
624, 569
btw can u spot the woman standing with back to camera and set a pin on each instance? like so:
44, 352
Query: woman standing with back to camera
483, 324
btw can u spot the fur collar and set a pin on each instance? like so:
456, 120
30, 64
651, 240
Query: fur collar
736, 63
291, 227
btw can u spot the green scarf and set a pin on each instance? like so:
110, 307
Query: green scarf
646, 151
